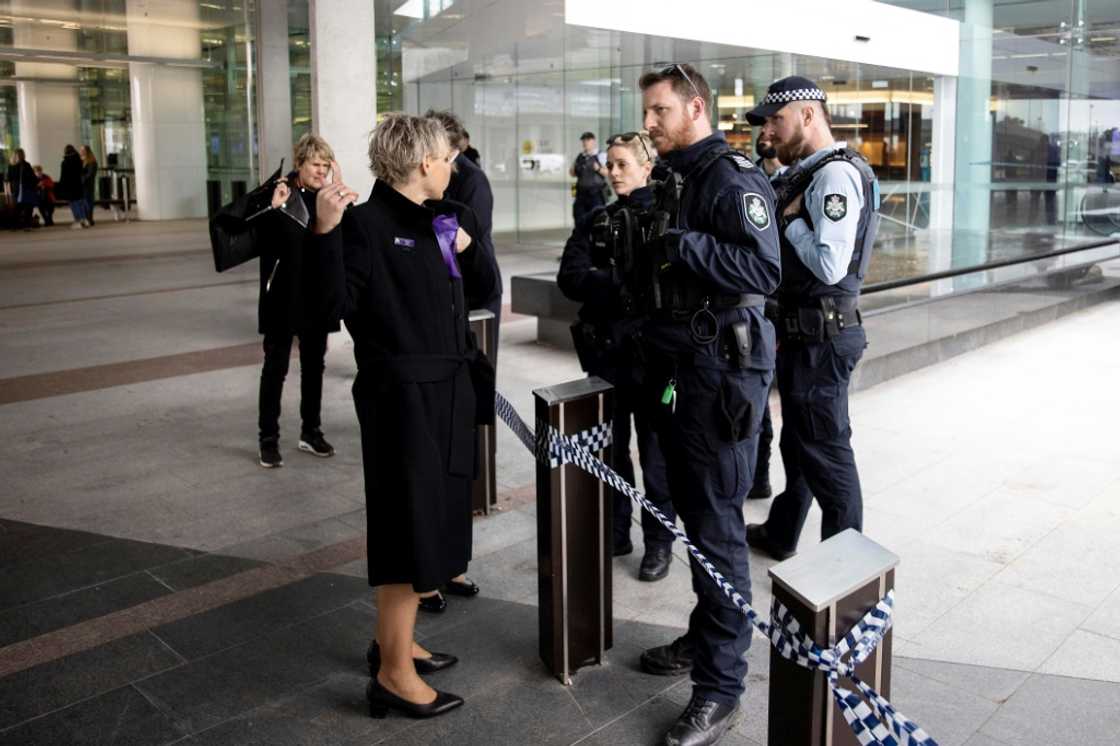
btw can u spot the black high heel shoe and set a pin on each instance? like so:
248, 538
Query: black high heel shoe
381, 700
436, 604
437, 662
466, 587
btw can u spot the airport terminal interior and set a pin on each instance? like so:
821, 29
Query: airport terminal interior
158, 586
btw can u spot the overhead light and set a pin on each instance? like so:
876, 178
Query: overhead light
880, 84
725, 126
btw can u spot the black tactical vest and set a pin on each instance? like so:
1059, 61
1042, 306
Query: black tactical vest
799, 285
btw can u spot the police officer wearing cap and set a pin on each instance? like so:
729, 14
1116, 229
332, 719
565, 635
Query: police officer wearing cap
829, 201
708, 357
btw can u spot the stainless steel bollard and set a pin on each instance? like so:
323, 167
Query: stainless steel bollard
484, 492
574, 513
828, 588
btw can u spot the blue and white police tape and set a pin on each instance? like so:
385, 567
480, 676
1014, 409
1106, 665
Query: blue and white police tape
874, 722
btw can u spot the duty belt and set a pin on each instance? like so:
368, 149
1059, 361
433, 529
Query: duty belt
714, 303
818, 323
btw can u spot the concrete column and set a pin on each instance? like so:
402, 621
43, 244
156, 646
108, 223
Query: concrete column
1076, 117
168, 142
274, 88
943, 149
973, 170
343, 83
48, 98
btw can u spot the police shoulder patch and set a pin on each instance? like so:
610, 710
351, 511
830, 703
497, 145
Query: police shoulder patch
756, 211
835, 207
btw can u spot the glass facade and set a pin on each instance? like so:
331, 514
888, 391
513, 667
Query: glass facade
1017, 153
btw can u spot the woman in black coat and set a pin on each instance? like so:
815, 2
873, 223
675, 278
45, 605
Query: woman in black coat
398, 263
70, 185
604, 343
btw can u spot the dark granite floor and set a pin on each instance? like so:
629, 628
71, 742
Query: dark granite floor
286, 666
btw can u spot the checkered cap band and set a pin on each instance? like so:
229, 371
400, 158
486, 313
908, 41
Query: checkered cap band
797, 94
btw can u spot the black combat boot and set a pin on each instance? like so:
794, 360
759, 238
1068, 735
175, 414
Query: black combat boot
702, 723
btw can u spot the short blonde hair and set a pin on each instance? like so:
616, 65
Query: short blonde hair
640, 144
311, 146
400, 142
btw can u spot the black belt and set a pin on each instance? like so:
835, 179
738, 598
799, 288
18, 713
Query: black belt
828, 318
715, 303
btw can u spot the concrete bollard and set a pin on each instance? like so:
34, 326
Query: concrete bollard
828, 588
574, 513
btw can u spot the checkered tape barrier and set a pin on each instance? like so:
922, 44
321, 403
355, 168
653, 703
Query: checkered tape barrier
874, 721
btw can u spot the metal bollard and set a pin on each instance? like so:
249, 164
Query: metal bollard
574, 512
828, 588
484, 491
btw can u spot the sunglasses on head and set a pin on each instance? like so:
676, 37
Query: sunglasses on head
627, 137
676, 69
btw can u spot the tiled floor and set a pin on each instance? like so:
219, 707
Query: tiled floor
156, 586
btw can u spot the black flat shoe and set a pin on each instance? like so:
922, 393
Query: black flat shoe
465, 588
437, 661
621, 550
381, 700
436, 604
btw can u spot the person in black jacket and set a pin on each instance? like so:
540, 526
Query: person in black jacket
291, 306
469, 186
70, 186
89, 182
396, 266
23, 188
604, 343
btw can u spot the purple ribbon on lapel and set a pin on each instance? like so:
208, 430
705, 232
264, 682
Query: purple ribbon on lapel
446, 228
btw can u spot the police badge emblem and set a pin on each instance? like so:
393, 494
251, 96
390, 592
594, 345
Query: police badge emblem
755, 207
835, 207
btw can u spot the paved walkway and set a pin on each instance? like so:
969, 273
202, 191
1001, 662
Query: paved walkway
156, 586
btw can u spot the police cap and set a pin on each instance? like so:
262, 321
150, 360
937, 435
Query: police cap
782, 92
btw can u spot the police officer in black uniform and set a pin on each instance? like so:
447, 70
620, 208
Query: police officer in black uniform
829, 201
589, 274
708, 359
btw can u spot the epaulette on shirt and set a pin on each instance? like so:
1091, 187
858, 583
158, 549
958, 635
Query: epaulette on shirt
742, 161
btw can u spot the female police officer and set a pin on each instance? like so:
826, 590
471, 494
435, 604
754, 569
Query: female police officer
602, 341
396, 266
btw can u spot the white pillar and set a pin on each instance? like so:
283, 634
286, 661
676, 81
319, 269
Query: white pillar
274, 92
943, 149
48, 111
973, 178
343, 84
168, 142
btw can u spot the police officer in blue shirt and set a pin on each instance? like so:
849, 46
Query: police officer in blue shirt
708, 358
829, 201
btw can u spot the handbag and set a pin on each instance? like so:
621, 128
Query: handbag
234, 228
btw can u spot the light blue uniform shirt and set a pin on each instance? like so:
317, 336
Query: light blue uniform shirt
834, 200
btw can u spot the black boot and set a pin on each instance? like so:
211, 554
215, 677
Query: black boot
702, 723
655, 564
674, 659
761, 541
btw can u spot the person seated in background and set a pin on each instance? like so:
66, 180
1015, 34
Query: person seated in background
604, 345
46, 196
